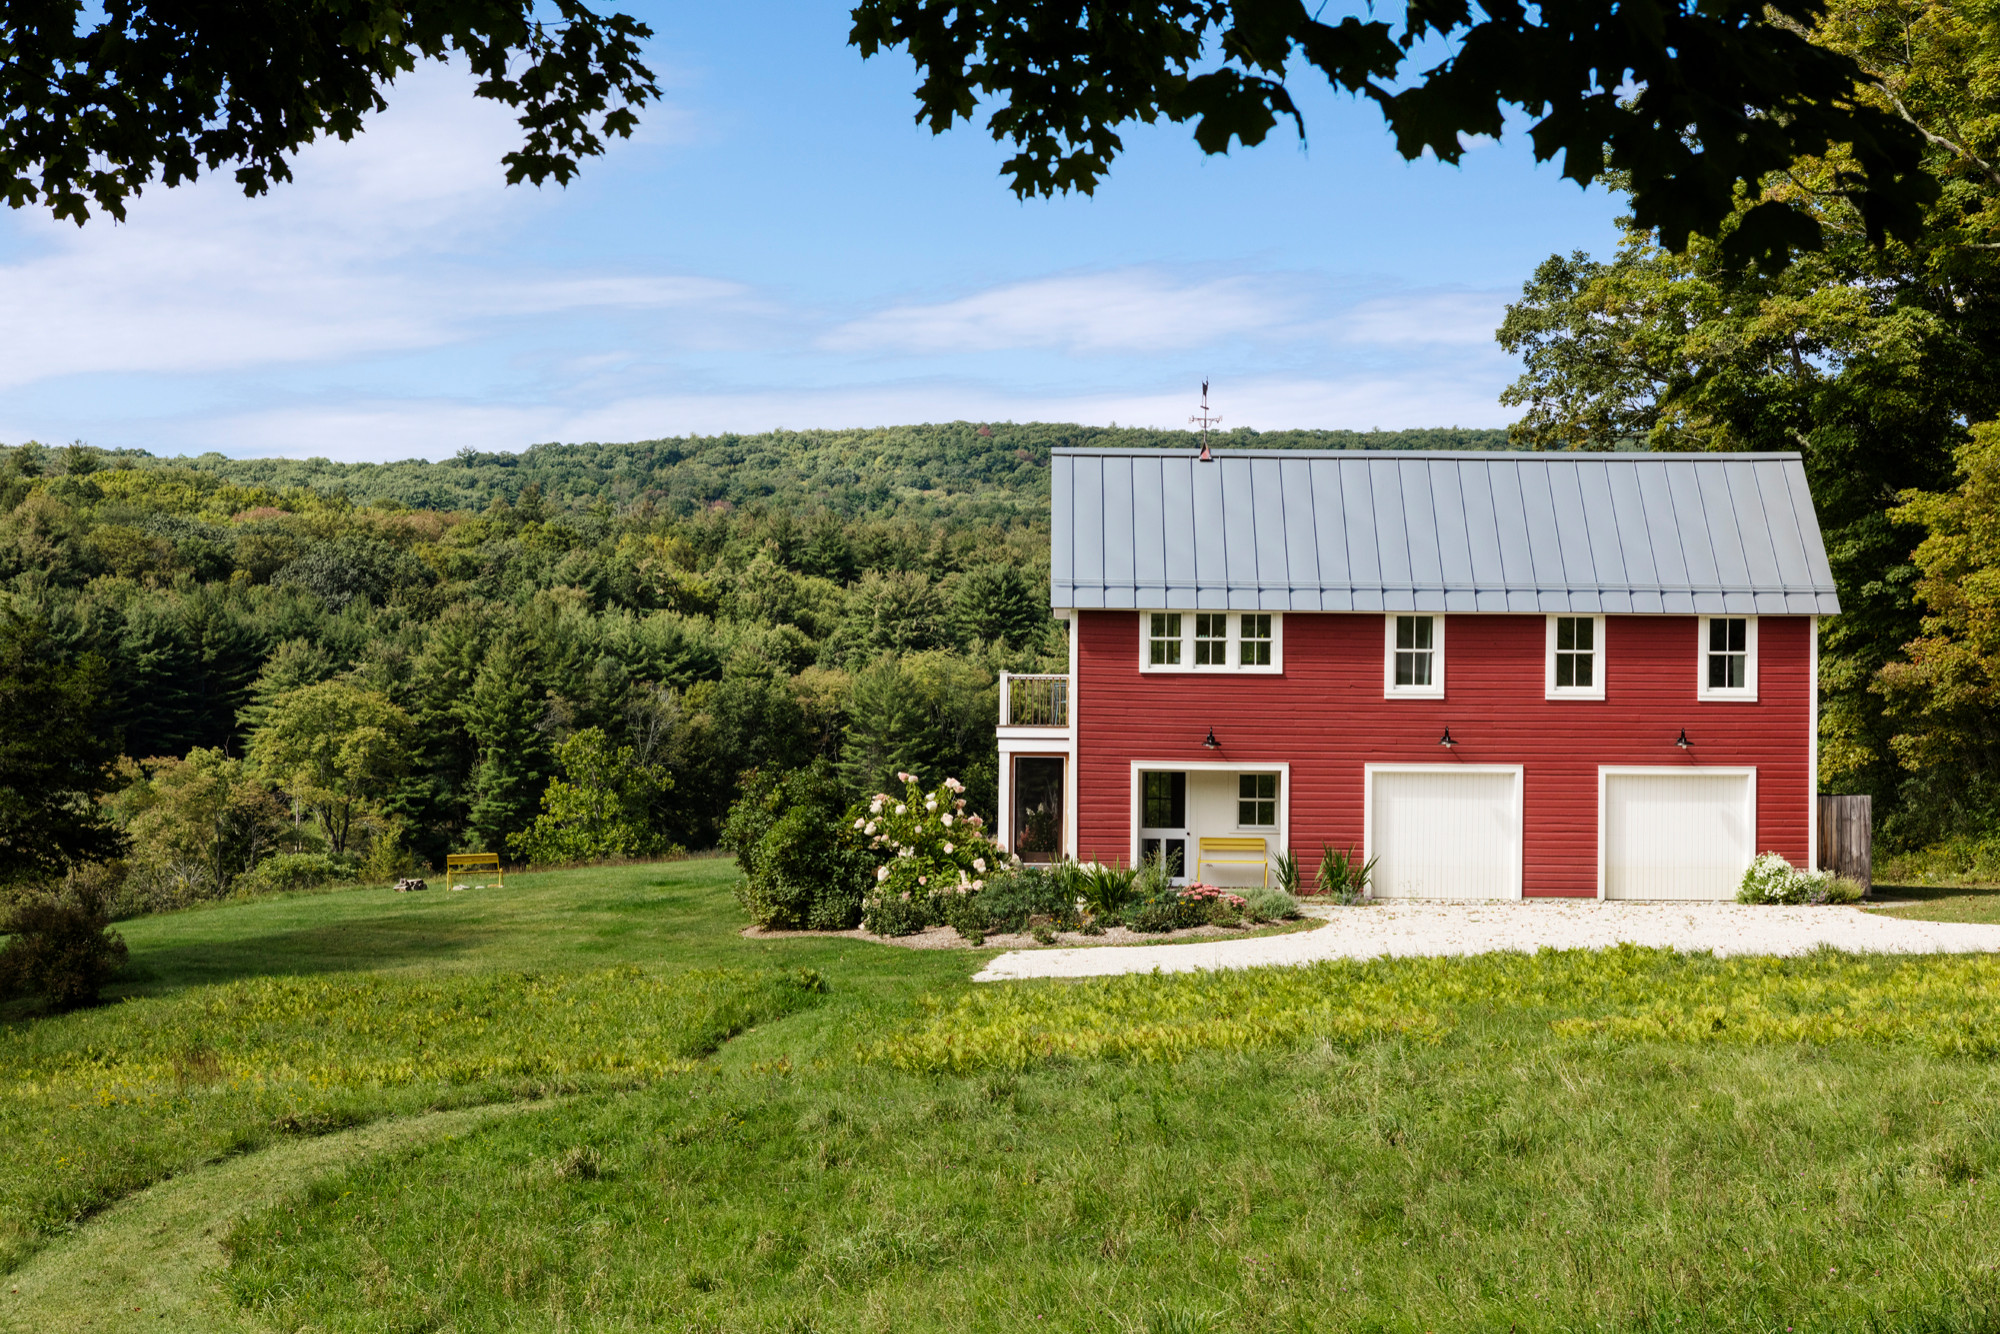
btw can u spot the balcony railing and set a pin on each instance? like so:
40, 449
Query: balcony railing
1034, 700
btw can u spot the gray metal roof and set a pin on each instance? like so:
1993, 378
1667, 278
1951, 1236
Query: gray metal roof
1292, 530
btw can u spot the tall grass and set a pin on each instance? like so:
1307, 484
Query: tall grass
96, 1104
1950, 1006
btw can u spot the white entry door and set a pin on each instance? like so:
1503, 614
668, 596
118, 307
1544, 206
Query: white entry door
1676, 833
1445, 833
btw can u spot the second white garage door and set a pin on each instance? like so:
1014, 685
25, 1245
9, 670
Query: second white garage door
1681, 834
1445, 833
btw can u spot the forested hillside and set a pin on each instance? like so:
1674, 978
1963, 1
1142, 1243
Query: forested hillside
394, 661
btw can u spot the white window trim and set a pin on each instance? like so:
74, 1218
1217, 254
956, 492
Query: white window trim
1435, 690
1275, 824
1187, 667
1550, 690
1748, 694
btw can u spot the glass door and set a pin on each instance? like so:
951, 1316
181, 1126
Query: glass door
1038, 807
1163, 830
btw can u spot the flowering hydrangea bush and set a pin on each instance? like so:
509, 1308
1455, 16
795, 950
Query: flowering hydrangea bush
1772, 879
930, 852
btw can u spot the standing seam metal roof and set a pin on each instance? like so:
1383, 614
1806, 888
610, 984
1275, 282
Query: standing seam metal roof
1292, 530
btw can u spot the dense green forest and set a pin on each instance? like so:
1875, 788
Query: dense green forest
334, 663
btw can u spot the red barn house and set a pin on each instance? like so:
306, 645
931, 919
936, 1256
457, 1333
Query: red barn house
1501, 675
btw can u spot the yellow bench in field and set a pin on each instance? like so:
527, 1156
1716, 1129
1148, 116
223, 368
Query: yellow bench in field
455, 862
1234, 852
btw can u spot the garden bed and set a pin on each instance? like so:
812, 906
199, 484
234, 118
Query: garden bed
946, 938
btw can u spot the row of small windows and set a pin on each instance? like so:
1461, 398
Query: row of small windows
1414, 652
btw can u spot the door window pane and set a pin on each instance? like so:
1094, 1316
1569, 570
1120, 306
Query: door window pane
1728, 653
1211, 639
1256, 640
1172, 852
1576, 652
1257, 800
1413, 650
1163, 800
1165, 640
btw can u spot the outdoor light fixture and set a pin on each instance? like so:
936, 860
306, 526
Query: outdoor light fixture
1446, 740
1211, 743
1682, 740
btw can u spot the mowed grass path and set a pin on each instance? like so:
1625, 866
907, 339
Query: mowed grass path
243, 1023
1633, 1141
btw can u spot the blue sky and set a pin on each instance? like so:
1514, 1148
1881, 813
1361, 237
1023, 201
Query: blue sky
780, 246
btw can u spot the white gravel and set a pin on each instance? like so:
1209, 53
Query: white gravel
1479, 928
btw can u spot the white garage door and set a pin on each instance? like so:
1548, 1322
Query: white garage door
1445, 834
1682, 835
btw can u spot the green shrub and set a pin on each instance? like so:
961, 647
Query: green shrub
1106, 890
1343, 876
61, 949
931, 851
1772, 879
805, 866
1285, 866
289, 872
1014, 896
1269, 905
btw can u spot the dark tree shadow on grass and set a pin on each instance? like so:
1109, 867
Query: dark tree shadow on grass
341, 947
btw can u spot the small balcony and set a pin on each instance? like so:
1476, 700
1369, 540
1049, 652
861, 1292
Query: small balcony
1034, 701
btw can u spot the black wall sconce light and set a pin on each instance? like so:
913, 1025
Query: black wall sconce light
1682, 740
1211, 743
1446, 740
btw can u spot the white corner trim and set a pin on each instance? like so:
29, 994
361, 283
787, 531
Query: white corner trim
1435, 690
1595, 690
1812, 761
1605, 771
1748, 694
1369, 843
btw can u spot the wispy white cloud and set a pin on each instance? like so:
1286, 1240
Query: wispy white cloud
1129, 310
1420, 317
364, 253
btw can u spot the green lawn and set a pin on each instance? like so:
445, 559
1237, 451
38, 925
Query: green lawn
1942, 903
1629, 1141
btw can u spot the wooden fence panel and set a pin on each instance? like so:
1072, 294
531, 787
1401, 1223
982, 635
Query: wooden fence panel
1844, 837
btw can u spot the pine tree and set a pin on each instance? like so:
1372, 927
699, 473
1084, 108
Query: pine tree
501, 715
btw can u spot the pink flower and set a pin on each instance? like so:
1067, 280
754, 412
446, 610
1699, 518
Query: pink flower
901, 808
881, 874
978, 863
948, 848
947, 821
906, 896
922, 880
859, 823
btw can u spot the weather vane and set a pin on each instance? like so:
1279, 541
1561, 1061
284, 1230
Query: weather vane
1205, 419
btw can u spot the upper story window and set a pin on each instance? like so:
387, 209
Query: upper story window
1212, 641
1575, 658
1413, 663
1728, 658
1256, 641
1257, 801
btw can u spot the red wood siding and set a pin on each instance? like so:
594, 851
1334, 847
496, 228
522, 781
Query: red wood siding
1326, 716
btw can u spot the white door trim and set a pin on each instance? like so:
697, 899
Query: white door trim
1605, 771
1282, 768
1369, 842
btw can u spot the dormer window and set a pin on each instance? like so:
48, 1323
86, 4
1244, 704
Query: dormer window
1212, 641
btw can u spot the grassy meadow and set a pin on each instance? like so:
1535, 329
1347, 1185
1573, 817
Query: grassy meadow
823, 1134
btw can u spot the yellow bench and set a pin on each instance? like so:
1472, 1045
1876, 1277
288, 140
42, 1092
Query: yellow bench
455, 862
1234, 852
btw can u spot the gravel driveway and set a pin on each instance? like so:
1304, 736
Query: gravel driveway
1464, 928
